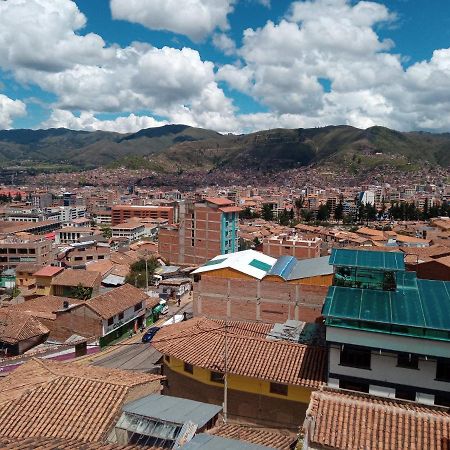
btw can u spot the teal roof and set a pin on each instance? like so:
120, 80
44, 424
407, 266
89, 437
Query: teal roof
213, 262
416, 303
367, 259
260, 265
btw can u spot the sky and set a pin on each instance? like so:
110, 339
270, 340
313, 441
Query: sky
228, 65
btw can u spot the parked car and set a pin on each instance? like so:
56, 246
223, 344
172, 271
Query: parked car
149, 334
164, 307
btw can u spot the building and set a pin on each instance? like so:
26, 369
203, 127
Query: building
72, 235
78, 255
131, 231
252, 286
19, 332
25, 248
269, 381
387, 331
339, 420
44, 278
300, 248
122, 213
25, 275
206, 229
72, 283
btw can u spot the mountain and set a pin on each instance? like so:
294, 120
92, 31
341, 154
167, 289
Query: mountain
174, 148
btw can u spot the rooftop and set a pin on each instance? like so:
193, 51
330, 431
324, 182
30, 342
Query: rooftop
367, 259
48, 271
289, 268
16, 326
50, 443
72, 277
219, 201
210, 442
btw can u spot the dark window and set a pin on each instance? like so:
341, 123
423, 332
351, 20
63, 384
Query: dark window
443, 370
355, 357
442, 399
188, 368
138, 306
121, 316
408, 360
167, 358
277, 388
217, 377
110, 321
354, 386
405, 394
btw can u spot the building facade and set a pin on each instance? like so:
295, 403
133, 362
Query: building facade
25, 249
122, 213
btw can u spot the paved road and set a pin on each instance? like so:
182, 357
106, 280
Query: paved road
137, 356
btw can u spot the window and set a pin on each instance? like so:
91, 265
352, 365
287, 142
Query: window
277, 388
405, 394
121, 316
138, 306
188, 368
442, 399
443, 370
111, 321
354, 386
355, 357
408, 360
217, 377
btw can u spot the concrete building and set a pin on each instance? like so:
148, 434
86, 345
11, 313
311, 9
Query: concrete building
78, 255
25, 249
72, 235
132, 230
252, 286
206, 228
122, 213
300, 248
388, 332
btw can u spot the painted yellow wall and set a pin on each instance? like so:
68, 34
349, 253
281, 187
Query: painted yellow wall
240, 383
226, 273
46, 282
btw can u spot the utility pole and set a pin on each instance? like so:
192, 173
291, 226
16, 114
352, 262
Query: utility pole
225, 378
146, 273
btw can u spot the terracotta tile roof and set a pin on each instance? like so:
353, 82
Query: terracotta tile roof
434, 251
116, 300
27, 267
219, 201
230, 209
257, 436
50, 443
352, 421
16, 326
66, 400
72, 277
104, 267
48, 271
200, 342
45, 306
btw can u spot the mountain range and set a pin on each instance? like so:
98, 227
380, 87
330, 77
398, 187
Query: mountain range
173, 148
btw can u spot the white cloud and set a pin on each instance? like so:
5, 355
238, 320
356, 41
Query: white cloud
193, 18
224, 43
88, 122
9, 109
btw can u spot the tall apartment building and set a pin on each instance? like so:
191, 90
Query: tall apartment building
388, 332
207, 228
25, 249
122, 213
300, 248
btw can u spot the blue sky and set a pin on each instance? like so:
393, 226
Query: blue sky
229, 65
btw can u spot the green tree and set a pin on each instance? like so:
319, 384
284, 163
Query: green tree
137, 275
246, 213
106, 232
339, 211
267, 212
284, 218
80, 292
323, 213
307, 215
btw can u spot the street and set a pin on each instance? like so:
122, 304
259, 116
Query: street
135, 355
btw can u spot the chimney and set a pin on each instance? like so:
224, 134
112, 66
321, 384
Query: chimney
65, 304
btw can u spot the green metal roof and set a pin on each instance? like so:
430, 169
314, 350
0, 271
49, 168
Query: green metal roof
416, 303
213, 262
367, 259
260, 265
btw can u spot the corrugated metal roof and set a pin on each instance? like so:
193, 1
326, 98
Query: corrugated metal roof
208, 442
307, 268
173, 409
283, 266
367, 259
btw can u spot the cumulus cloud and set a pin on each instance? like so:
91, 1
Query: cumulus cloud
10, 109
193, 18
224, 43
88, 122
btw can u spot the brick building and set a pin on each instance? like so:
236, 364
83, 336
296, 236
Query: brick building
122, 213
300, 248
206, 229
252, 286
26, 248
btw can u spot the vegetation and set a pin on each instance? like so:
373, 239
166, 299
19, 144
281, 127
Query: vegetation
267, 212
80, 292
138, 276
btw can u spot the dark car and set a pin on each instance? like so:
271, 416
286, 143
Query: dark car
148, 336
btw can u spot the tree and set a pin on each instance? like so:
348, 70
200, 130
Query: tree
307, 215
80, 292
267, 212
138, 276
339, 211
106, 232
323, 213
246, 213
284, 218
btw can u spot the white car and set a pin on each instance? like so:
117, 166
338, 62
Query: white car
175, 319
164, 307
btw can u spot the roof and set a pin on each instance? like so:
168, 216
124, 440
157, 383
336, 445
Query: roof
249, 262
367, 259
116, 300
65, 400
416, 303
173, 409
210, 442
219, 201
230, 209
27, 267
353, 421
75, 277
201, 342
17, 326
259, 436
50, 443
46, 306
113, 280
289, 268
48, 271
